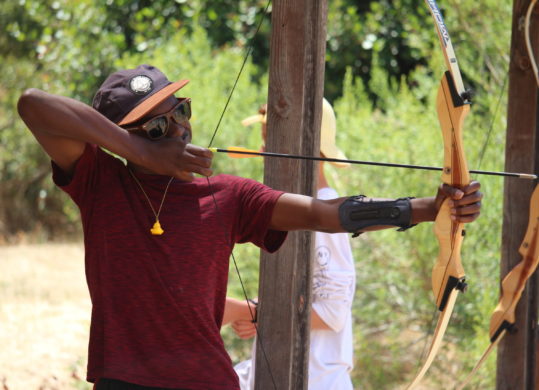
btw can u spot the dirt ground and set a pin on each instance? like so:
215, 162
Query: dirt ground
44, 317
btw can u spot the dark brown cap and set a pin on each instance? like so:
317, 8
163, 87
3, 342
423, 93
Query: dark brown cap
127, 95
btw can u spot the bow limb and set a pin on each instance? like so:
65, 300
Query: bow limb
452, 104
503, 317
528, 40
448, 273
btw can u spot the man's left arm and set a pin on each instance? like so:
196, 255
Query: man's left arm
299, 212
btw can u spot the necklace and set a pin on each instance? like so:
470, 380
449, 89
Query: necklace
156, 230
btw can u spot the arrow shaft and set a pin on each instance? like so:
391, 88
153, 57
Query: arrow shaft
360, 162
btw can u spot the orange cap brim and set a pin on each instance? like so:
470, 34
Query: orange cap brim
149, 104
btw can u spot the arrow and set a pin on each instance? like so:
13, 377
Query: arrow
239, 152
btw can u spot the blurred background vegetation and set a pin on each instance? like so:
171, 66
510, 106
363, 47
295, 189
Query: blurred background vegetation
383, 65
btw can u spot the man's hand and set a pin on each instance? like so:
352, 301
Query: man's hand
464, 203
174, 157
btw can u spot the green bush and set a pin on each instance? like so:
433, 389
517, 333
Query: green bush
383, 74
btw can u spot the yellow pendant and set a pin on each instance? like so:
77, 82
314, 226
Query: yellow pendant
156, 229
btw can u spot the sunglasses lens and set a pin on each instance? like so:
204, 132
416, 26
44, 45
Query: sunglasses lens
182, 112
157, 127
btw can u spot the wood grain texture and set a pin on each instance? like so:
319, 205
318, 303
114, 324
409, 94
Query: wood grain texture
297, 54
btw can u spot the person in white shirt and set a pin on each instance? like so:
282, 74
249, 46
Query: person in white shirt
334, 280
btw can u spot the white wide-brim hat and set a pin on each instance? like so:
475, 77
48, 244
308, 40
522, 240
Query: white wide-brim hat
328, 132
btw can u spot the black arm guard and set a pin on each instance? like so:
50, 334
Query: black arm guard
356, 214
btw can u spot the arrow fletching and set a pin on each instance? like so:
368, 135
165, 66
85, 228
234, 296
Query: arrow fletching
244, 152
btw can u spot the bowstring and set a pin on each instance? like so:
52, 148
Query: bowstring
250, 46
536, 75
491, 126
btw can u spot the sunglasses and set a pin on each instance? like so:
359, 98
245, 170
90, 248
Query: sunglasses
157, 126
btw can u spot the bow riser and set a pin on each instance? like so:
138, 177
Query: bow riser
452, 111
448, 272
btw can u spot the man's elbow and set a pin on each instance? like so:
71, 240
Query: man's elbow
27, 103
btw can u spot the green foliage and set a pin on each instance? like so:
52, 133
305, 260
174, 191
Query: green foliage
383, 70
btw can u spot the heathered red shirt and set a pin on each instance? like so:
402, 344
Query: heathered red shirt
158, 301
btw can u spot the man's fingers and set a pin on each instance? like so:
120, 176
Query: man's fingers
200, 161
473, 198
193, 164
472, 187
466, 214
452, 192
202, 156
199, 151
458, 193
473, 208
197, 160
465, 218
176, 158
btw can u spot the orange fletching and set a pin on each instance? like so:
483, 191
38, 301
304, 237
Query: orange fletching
233, 149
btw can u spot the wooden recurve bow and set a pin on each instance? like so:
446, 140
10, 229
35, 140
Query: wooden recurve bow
452, 104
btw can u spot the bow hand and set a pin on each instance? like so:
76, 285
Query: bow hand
464, 203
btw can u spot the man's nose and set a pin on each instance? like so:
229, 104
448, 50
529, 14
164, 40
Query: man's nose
177, 130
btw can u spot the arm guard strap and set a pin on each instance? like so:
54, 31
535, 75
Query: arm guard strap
356, 214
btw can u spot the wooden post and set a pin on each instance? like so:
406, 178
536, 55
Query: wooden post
517, 352
297, 58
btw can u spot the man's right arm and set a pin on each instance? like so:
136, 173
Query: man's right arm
63, 126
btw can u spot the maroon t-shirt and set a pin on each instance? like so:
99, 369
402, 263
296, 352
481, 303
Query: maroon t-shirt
158, 301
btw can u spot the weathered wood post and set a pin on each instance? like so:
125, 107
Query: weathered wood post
297, 57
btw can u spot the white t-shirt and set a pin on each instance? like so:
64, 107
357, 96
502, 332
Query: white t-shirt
334, 281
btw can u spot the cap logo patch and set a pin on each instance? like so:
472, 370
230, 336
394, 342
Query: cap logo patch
141, 85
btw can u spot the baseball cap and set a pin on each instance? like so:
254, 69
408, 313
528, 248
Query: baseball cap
327, 134
127, 95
